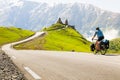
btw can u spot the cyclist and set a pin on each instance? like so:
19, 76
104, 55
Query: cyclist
100, 37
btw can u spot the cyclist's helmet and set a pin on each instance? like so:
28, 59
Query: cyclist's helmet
97, 28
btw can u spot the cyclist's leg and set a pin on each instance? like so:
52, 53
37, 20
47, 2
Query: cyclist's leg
97, 45
100, 39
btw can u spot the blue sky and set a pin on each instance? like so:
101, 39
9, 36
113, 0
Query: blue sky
111, 5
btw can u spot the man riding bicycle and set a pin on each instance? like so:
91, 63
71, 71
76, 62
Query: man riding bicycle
100, 37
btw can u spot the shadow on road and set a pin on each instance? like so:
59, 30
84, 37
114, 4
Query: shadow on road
111, 55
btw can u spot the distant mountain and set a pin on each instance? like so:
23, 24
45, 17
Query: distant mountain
34, 16
58, 37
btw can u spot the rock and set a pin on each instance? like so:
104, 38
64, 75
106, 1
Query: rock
60, 21
8, 71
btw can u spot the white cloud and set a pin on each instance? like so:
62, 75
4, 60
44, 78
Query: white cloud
18, 3
111, 34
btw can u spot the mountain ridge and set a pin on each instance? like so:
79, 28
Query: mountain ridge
34, 16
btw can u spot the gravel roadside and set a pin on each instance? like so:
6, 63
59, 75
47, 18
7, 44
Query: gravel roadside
8, 70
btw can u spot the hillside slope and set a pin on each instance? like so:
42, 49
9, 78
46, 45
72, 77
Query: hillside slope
115, 45
12, 34
58, 37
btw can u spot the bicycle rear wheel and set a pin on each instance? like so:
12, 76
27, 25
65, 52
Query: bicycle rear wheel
103, 50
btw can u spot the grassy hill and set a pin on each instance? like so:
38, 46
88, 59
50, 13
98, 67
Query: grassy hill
115, 45
11, 34
58, 37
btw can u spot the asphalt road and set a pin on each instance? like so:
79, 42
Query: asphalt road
54, 65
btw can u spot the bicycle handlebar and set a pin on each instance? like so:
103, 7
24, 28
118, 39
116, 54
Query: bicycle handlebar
94, 39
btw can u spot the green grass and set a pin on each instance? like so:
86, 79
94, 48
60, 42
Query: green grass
115, 46
60, 38
54, 27
11, 34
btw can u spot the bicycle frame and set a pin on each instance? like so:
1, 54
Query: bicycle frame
102, 49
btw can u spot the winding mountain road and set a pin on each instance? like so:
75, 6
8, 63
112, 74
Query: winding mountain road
53, 65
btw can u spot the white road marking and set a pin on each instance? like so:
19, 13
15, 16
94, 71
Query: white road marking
33, 74
13, 57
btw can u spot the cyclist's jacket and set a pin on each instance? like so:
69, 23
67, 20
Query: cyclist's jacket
99, 33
